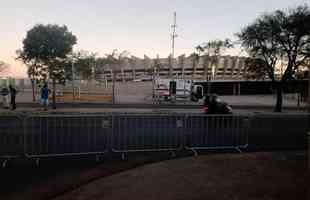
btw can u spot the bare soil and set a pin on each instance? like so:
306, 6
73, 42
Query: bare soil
276, 175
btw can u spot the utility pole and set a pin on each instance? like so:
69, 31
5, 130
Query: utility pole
72, 70
173, 36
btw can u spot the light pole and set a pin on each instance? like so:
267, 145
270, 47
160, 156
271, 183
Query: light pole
113, 87
72, 70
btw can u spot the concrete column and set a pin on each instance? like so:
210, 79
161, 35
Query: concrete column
195, 62
225, 66
240, 66
217, 65
133, 73
233, 66
111, 73
206, 64
123, 75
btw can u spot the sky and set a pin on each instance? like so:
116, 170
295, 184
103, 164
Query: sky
138, 26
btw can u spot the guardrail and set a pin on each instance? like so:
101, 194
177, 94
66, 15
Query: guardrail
38, 136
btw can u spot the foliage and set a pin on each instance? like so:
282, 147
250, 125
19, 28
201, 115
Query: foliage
214, 47
45, 51
280, 36
3, 66
84, 64
256, 69
212, 51
157, 65
116, 59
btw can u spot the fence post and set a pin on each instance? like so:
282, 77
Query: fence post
24, 126
181, 124
111, 135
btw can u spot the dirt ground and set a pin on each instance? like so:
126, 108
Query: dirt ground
277, 175
263, 176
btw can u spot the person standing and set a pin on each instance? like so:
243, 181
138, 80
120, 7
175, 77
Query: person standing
44, 96
13, 92
5, 97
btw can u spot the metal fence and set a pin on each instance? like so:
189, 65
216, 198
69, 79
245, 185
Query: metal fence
132, 133
11, 137
66, 135
217, 132
36, 136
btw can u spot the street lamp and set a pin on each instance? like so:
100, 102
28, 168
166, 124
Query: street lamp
73, 78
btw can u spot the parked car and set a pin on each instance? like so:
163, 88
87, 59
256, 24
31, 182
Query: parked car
214, 105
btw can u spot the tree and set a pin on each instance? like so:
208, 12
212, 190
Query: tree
212, 52
280, 36
84, 64
255, 69
115, 60
48, 46
3, 66
100, 67
214, 49
157, 66
35, 71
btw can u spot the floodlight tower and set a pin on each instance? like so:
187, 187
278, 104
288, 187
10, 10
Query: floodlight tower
174, 35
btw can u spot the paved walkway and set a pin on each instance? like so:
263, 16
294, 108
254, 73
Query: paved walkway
141, 92
261, 176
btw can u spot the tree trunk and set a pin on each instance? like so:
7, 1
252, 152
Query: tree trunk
278, 107
33, 92
54, 94
309, 95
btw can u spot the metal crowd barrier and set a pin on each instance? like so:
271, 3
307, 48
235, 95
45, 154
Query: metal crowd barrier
37, 136
65, 135
11, 138
142, 132
216, 132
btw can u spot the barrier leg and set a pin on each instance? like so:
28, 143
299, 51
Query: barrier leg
194, 151
5, 162
238, 149
97, 158
37, 162
123, 156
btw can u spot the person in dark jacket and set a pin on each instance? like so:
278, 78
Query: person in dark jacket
5, 97
13, 93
